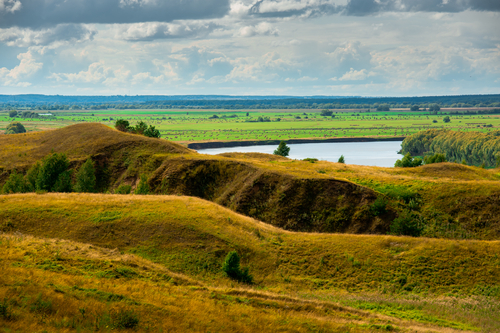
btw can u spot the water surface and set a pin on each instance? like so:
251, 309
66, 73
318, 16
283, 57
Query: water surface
376, 153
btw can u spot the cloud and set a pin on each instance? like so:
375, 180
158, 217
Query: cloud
20, 37
261, 29
354, 75
368, 7
288, 8
44, 13
26, 68
157, 30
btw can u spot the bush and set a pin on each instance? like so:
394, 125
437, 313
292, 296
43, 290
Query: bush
32, 175
310, 160
436, 158
12, 113
53, 167
282, 150
232, 268
383, 107
446, 119
326, 113
408, 162
341, 159
125, 319
414, 108
152, 132
15, 128
123, 189
378, 207
122, 125
407, 224
15, 184
85, 177
63, 183
143, 187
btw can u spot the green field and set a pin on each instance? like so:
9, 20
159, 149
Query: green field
190, 125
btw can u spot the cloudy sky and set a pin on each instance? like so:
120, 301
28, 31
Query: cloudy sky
250, 47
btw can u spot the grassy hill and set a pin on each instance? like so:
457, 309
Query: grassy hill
446, 200
96, 260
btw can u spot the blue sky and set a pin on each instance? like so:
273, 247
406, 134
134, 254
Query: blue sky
250, 47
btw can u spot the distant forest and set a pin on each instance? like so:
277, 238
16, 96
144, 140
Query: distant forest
56, 102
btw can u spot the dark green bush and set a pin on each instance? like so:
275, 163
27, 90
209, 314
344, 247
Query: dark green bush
436, 158
143, 187
232, 268
53, 167
85, 177
378, 207
408, 162
407, 224
341, 159
15, 184
15, 128
123, 189
282, 150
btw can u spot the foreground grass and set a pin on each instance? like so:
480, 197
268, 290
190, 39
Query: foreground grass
442, 283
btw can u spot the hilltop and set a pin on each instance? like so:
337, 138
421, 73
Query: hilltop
449, 200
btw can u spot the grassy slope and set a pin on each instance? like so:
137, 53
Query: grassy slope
405, 282
453, 201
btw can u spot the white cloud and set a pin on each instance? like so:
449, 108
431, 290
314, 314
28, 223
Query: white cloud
261, 29
354, 75
158, 30
26, 68
10, 6
22, 37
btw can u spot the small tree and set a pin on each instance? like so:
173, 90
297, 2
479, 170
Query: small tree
408, 162
50, 171
15, 184
341, 159
15, 128
63, 182
85, 177
232, 268
143, 187
414, 108
326, 113
152, 132
140, 128
282, 150
436, 158
12, 113
446, 119
122, 125
32, 175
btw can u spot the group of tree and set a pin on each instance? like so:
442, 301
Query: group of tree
52, 174
15, 127
140, 128
472, 148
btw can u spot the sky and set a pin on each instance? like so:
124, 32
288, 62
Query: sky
250, 47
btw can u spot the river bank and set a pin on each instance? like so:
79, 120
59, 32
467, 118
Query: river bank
228, 144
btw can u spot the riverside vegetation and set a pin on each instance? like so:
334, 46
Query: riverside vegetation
97, 261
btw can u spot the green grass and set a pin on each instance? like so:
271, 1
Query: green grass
194, 125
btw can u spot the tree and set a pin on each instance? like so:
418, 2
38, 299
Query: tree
341, 159
326, 113
15, 128
15, 184
63, 183
140, 128
436, 158
434, 107
152, 132
414, 108
383, 107
52, 168
12, 113
408, 162
232, 268
32, 175
282, 150
85, 177
446, 119
122, 125
143, 187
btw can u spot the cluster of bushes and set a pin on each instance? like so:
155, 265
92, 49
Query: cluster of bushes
233, 270
15, 128
141, 128
408, 162
52, 174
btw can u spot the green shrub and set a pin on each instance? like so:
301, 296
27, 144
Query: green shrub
12, 113
32, 175
436, 158
282, 150
63, 183
152, 132
122, 125
341, 159
50, 171
123, 189
310, 160
232, 268
408, 162
143, 187
378, 207
85, 177
15, 184
407, 224
15, 128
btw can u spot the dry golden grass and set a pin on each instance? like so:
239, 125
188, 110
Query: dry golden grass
51, 284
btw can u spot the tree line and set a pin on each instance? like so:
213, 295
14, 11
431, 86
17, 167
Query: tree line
472, 148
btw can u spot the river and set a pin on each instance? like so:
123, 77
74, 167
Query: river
376, 153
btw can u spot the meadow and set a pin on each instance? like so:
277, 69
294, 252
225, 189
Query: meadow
193, 125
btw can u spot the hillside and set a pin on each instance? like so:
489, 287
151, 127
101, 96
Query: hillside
446, 200
303, 281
